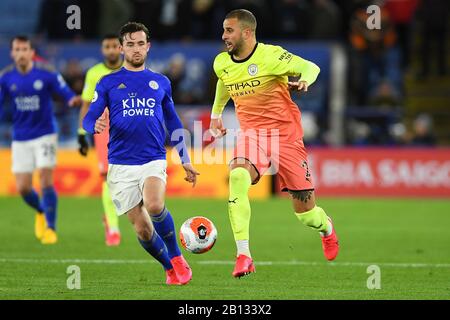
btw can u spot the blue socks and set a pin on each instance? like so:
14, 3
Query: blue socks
157, 249
165, 227
49, 203
32, 199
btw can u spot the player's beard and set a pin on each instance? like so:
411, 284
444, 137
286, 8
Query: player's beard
22, 63
236, 48
136, 63
113, 60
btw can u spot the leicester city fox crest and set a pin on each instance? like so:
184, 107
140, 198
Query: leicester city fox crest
153, 84
38, 84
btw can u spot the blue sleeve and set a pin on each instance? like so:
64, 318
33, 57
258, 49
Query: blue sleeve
2, 96
59, 86
96, 109
174, 126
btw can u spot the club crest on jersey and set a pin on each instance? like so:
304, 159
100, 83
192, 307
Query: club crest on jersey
38, 84
153, 84
252, 69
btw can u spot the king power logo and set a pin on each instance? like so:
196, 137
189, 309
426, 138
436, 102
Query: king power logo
134, 106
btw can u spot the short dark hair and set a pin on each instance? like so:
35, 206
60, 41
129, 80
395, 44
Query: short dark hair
110, 36
131, 27
244, 16
22, 38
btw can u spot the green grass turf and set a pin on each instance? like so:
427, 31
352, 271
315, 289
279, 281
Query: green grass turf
384, 231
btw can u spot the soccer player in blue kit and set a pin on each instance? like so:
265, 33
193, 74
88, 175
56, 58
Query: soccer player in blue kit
140, 103
30, 86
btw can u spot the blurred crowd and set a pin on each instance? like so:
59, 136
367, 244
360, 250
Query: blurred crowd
378, 59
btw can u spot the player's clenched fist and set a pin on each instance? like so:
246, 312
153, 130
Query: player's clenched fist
100, 125
216, 128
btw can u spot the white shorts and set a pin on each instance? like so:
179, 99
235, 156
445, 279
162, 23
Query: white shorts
126, 182
34, 154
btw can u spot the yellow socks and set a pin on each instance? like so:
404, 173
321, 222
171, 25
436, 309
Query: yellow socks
316, 219
239, 208
110, 210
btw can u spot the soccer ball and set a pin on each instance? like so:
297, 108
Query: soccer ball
198, 234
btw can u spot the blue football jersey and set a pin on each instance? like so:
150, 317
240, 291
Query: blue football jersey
31, 96
140, 107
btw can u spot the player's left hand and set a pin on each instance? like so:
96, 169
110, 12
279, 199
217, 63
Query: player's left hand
298, 85
100, 125
191, 174
75, 101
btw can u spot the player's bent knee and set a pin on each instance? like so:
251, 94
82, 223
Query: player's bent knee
24, 184
154, 207
247, 165
238, 175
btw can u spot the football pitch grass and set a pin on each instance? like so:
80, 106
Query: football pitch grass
408, 239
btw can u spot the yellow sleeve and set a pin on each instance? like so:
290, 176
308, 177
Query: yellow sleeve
284, 63
220, 100
222, 96
89, 86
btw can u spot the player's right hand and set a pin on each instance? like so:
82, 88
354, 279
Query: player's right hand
191, 174
83, 143
75, 101
216, 128
100, 125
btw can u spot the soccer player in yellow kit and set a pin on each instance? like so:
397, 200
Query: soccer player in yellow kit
255, 76
112, 62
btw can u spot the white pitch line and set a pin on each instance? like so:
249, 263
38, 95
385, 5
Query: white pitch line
229, 262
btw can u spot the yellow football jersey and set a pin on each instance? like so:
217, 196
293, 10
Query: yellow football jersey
93, 75
258, 87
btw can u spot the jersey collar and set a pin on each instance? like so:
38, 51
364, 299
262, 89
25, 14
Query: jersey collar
248, 57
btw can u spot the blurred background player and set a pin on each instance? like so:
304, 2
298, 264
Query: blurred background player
139, 103
255, 75
112, 61
30, 85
